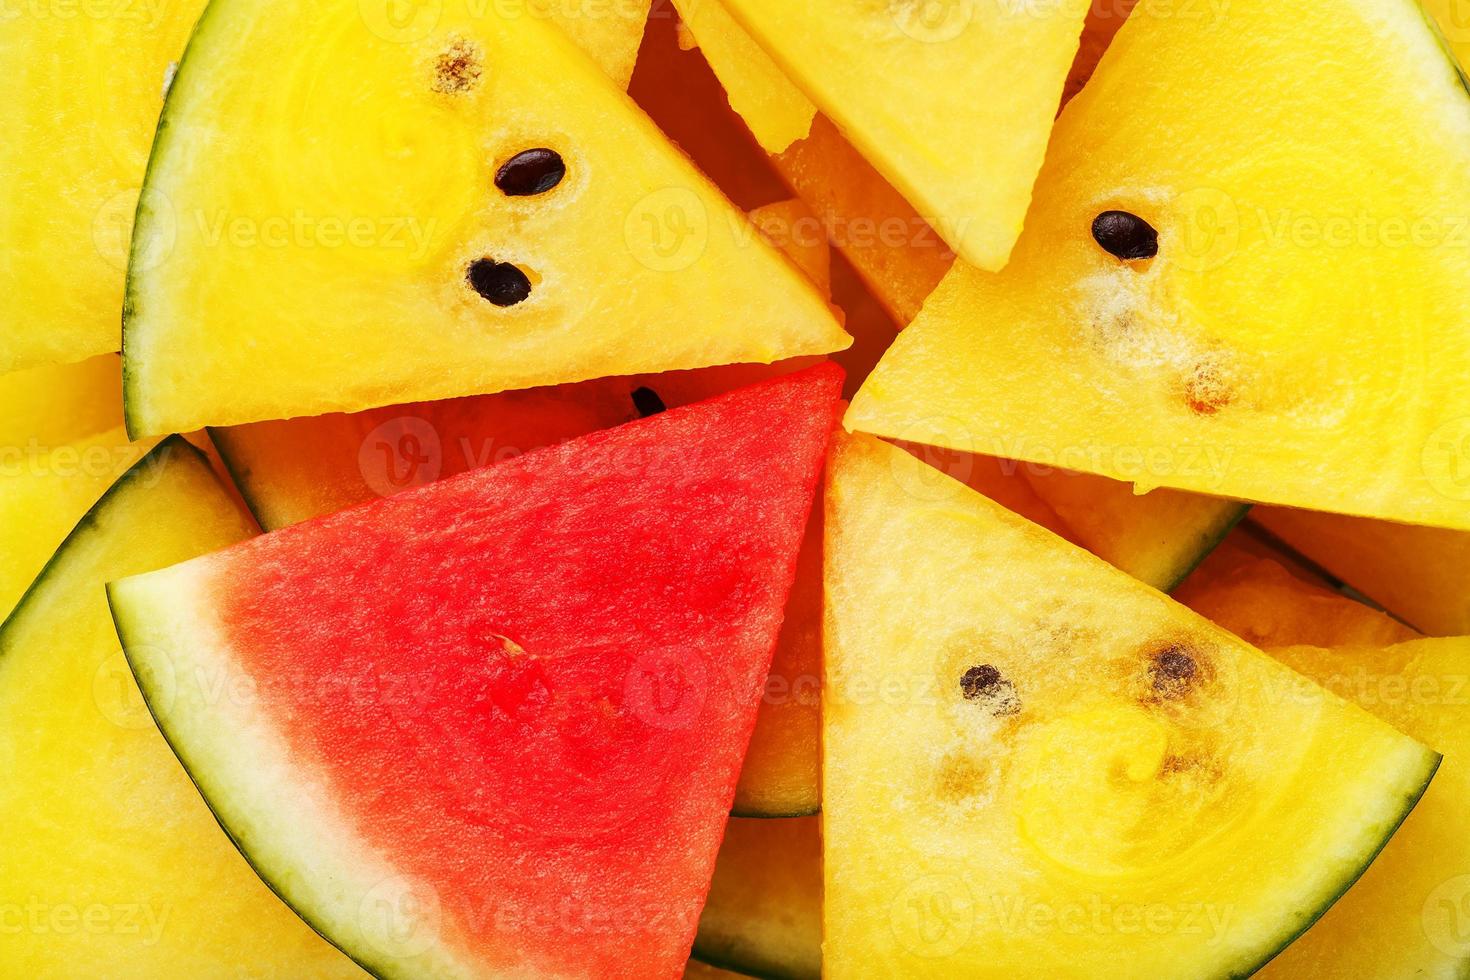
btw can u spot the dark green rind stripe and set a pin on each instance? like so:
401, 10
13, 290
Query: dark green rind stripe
151, 462
775, 814
239, 474
1213, 540
143, 677
1410, 801
1444, 45
745, 970
143, 216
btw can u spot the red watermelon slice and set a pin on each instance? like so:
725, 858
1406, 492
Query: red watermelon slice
493, 727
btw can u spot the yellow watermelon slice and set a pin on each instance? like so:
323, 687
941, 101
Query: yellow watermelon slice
123, 871
776, 111
1418, 573
1028, 755
764, 912
1224, 286
502, 218
80, 90
917, 88
77, 143
57, 404
1261, 601
44, 492
1405, 916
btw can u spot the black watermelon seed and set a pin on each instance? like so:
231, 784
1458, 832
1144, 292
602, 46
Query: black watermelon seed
531, 172
499, 282
647, 401
1125, 235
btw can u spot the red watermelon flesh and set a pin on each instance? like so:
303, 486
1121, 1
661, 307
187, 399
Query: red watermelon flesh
495, 724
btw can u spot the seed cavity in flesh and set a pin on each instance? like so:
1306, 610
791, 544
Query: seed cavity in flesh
984, 685
498, 282
531, 172
458, 68
1172, 671
1207, 389
1125, 235
648, 402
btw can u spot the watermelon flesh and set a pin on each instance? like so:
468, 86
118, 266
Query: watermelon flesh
496, 724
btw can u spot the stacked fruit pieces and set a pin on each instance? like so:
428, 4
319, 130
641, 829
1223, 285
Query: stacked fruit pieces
552, 660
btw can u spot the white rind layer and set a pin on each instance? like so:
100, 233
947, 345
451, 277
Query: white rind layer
281, 815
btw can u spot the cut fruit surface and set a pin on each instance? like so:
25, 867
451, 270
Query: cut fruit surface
901, 81
1404, 917
1418, 573
610, 33
1157, 537
570, 648
75, 148
504, 218
782, 776
1263, 603
1297, 338
42, 497
50, 406
293, 470
899, 255
764, 912
1024, 761
123, 872
791, 226
1104, 18
777, 112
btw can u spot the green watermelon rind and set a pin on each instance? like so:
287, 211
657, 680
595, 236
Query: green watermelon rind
1210, 537
129, 601
1411, 800
789, 813
730, 965
144, 466
242, 476
144, 215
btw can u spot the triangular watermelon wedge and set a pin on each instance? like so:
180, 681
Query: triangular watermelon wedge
1036, 766
493, 727
349, 212
1228, 285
